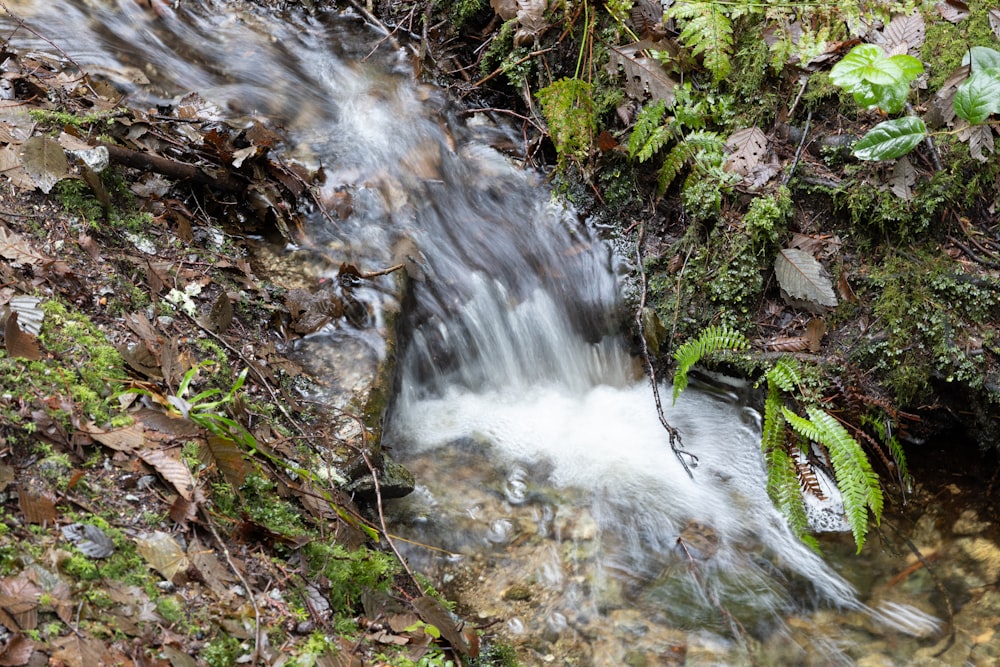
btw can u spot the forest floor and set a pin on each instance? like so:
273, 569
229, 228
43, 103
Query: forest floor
163, 500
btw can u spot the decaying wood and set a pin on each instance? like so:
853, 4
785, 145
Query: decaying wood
172, 168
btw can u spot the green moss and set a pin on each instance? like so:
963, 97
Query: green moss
946, 43
937, 320
222, 651
350, 573
262, 503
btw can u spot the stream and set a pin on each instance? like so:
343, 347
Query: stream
557, 510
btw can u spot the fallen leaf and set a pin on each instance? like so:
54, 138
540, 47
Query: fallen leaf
89, 539
16, 652
803, 280
904, 34
787, 344
228, 458
748, 146
644, 76
163, 553
815, 330
172, 469
12, 167
76, 650
19, 602
38, 508
903, 178
845, 289
953, 11
19, 344
45, 161
221, 315
434, 613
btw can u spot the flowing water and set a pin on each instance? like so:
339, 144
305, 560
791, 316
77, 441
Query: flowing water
545, 479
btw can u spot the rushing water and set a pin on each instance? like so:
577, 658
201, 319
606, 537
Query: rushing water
544, 471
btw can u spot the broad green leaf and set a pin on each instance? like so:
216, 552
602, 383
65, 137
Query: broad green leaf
981, 58
884, 72
979, 96
908, 65
891, 139
848, 73
891, 99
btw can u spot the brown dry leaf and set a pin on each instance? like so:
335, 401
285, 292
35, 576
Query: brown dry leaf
45, 161
20, 344
175, 427
17, 652
163, 553
643, 75
39, 508
228, 458
748, 146
433, 612
980, 139
141, 360
845, 289
172, 469
75, 650
903, 178
19, 602
506, 9
647, 17
12, 167
182, 511
217, 576
953, 11
904, 34
815, 331
787, 344
803, 280
15, 248
221, 315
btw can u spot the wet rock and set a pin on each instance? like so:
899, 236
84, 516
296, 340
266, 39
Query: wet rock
517, 593
986, 555
395, 481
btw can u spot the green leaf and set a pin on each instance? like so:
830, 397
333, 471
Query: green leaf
908, 65
891, 139
890, 99
979, 96
981, 58
849, 72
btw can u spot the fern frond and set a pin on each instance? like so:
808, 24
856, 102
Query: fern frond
784, 374
899, 456
649, 134
672, 165
773, 431
684, 152
859, 485
783, 489
707, 31
712, 339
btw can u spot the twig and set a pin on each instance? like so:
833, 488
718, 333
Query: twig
172, 168
260, 376
500, 70
972, 255
798, 151
675, 435
929, 142
255, 656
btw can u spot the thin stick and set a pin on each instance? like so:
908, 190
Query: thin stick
675, 435
798, 151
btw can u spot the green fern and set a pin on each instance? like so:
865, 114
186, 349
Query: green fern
784, 374
783, 489
712, 339
708, 32
649, 134
858, 483
569, 111
685, 152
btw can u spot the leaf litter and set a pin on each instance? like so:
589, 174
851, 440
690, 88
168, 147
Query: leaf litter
121, 512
